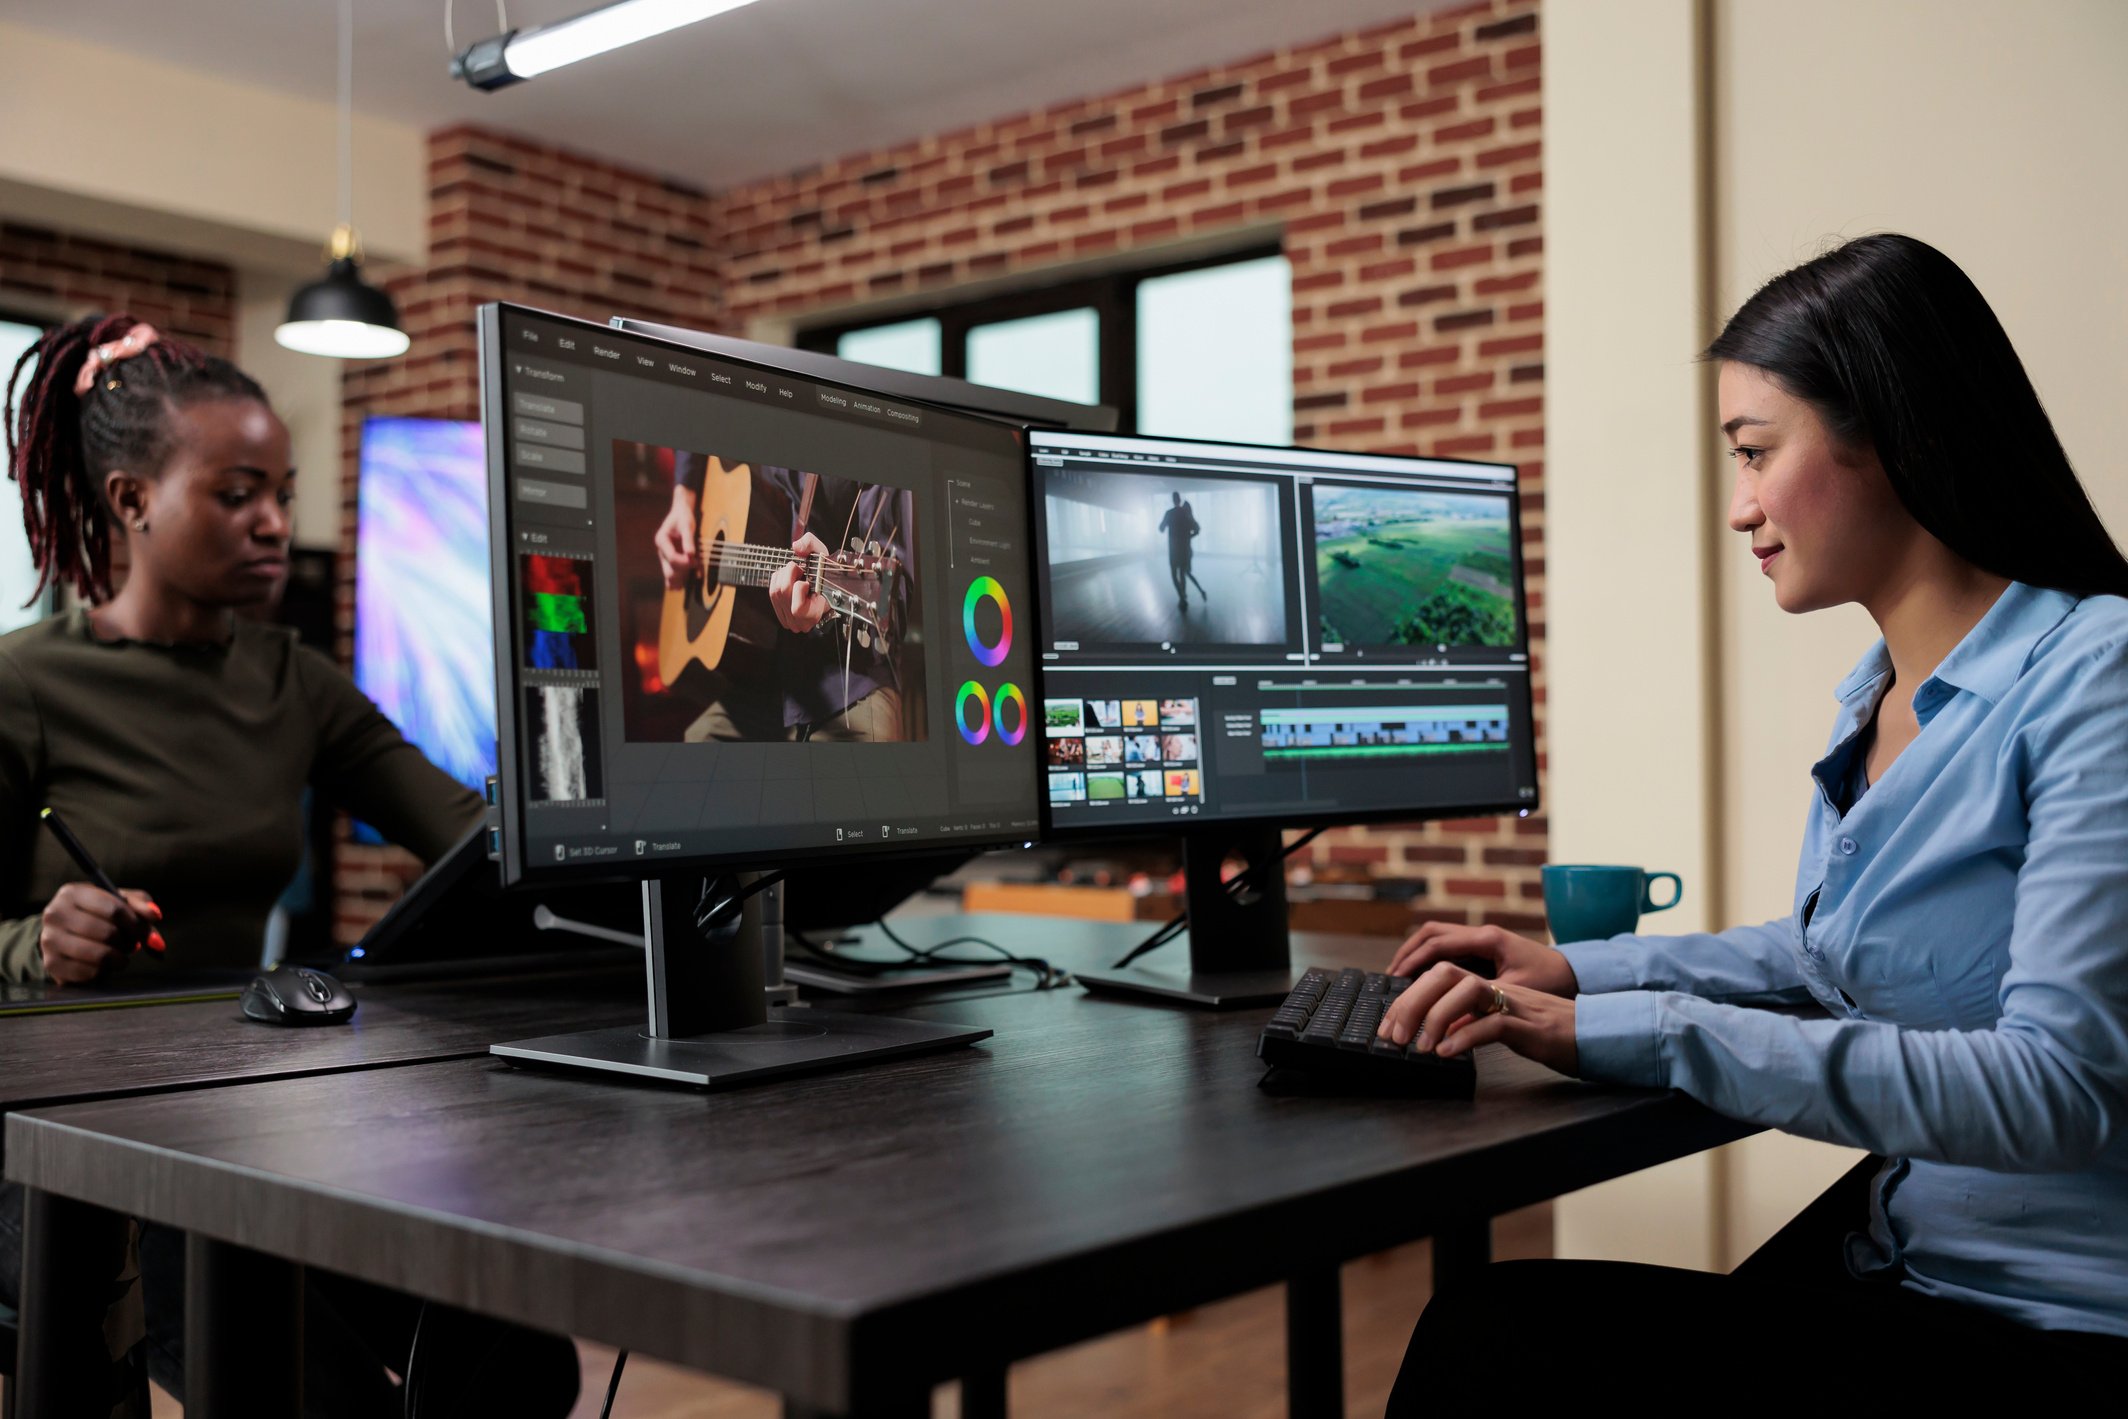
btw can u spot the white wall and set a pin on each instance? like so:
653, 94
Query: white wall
1629, 657
110, 144
1989, 128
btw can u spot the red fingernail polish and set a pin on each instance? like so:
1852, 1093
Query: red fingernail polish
155, 942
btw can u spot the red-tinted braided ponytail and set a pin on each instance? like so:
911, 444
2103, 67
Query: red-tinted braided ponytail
60, 445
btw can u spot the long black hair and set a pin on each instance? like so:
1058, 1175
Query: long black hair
60, 444
1898, 352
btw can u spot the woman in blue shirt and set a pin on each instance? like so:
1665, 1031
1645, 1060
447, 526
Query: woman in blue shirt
1961, 909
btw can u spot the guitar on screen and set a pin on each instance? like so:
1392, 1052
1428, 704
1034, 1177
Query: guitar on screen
695, 624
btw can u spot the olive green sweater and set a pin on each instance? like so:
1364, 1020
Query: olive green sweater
181, 769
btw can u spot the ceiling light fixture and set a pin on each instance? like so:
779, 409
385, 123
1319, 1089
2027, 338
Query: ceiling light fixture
343, 316
524, 54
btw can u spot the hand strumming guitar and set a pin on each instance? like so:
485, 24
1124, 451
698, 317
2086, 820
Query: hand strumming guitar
675, 538
798, 606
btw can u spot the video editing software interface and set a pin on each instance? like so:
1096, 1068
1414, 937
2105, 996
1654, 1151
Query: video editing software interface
682, 683
1240, 633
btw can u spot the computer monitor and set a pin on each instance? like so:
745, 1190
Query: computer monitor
1237, 639
1034, 410
424, 641
675, 733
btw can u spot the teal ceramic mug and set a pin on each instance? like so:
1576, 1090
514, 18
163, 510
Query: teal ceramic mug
1591, 903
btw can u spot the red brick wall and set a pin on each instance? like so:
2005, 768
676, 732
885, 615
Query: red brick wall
1400, 167
517, 221
53, 275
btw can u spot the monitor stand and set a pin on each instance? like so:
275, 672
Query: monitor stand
1238, 949
716, 1018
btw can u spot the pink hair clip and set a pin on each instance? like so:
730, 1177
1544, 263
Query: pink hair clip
125, 347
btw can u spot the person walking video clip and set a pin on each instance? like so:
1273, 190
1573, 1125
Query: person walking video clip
1180, 525
1219, 584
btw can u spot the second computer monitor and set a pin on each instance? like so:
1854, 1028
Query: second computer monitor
1235, 634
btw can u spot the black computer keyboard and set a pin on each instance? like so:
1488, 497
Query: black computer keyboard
1327, 1027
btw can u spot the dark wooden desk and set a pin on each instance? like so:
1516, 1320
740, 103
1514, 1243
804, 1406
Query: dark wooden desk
151, 1049
156, 1049
848, 1239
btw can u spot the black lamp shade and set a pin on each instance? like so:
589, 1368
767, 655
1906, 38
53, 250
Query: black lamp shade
344, 316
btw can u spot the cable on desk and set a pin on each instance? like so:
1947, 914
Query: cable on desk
1175, 925
1045, 974
613, 1386
413, 1353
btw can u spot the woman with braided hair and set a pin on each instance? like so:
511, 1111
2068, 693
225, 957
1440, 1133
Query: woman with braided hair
176, 738
173, 736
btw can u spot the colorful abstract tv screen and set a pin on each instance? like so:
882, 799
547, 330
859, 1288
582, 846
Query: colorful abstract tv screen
424, 633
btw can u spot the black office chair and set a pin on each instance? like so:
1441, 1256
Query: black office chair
8, 1335
1808, 1248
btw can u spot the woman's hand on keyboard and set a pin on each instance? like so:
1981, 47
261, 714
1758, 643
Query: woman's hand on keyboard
1449, 1011
1516, 960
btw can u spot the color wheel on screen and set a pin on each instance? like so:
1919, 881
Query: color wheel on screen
979, 731
979, 589
1009, 694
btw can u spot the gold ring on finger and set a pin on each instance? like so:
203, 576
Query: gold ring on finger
1499, 1002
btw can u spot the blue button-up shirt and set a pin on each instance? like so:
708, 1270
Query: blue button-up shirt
1965, 923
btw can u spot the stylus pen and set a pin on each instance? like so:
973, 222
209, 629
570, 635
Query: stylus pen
88, 864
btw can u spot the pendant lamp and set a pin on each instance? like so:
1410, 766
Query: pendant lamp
343, 315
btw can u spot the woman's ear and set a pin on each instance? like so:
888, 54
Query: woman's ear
128, 496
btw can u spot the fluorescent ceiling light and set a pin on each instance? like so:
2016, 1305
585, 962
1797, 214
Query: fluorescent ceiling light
525, 54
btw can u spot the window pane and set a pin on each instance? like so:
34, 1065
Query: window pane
910, 345
17, 575
1058, 355
1215, 353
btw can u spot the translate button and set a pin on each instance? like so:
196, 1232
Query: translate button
539, 406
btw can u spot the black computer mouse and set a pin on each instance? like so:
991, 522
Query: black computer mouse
298, 995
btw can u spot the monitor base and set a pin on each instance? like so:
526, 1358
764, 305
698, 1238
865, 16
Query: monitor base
802, 1041
816, 975
1210, 990
1239, 955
